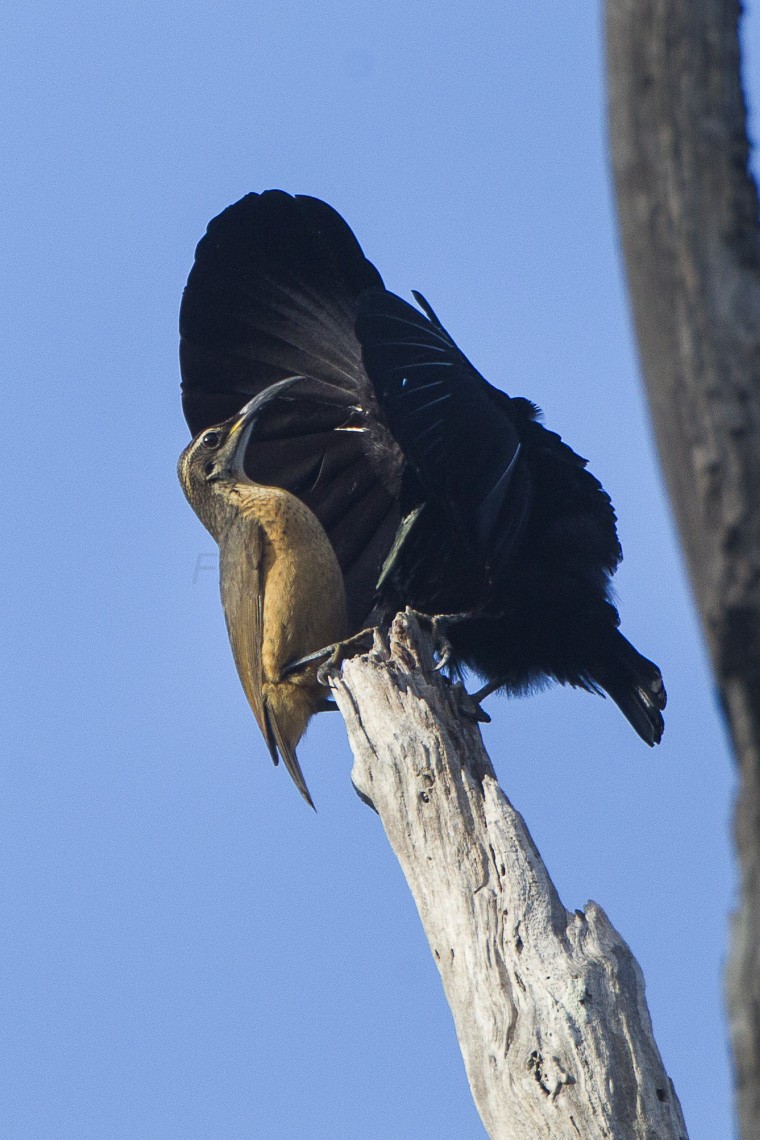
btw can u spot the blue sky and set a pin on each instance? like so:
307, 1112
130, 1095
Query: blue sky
187, 950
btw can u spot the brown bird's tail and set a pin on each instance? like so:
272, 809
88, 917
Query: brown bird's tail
279, 746
287, 710
635, 685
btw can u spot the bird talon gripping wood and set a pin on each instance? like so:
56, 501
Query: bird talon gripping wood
437, 625
434, 489
333, 656
470, 707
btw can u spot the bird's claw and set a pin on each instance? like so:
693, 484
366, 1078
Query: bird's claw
363, 640
436, 625
471, 703
331, 656
470, 707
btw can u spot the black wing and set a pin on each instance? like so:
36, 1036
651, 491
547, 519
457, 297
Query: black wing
273, 294
511, 491
308, 439
453, 426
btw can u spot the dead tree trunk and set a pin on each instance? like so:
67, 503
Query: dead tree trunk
688, 214
549, 1005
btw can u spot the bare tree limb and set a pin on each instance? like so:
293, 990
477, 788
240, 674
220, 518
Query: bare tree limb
688, 214
549, 1005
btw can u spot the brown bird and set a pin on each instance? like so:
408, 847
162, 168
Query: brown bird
281, 585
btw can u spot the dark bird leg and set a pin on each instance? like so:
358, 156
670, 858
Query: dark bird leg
486, 691
470, 708
436, 626
443, 649
333, 655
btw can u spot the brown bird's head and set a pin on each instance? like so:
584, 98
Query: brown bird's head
213, 461
217, 453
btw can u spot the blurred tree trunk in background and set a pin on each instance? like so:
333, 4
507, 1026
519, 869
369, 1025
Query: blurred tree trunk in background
688, 215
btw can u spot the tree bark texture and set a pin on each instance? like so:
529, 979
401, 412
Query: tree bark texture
688, 215
549, 1005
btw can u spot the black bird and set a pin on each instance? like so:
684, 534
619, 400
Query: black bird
436, 489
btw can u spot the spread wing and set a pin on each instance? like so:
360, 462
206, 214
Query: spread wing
272, 295
240, 566
453, 426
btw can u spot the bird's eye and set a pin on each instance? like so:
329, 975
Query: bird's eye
211, 439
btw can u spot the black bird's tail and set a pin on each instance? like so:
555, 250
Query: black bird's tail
635, 685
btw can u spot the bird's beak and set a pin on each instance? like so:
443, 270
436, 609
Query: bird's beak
239, 431
239, 434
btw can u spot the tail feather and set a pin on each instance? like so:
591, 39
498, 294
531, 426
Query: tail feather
635, 685
279, 745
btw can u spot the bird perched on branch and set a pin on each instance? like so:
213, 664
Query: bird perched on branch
281, 585
435, 489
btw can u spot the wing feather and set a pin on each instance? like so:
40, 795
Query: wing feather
450, 422
273, 294
240, 578
288, 753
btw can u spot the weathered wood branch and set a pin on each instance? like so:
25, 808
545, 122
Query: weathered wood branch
688, 213
549, 1005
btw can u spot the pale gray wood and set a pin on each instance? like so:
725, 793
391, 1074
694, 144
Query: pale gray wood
549, 1005
688, 215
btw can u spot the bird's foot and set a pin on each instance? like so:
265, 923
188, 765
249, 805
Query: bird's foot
470, 703
359, 642
470, 707
332, 656
436, 625
486, 691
